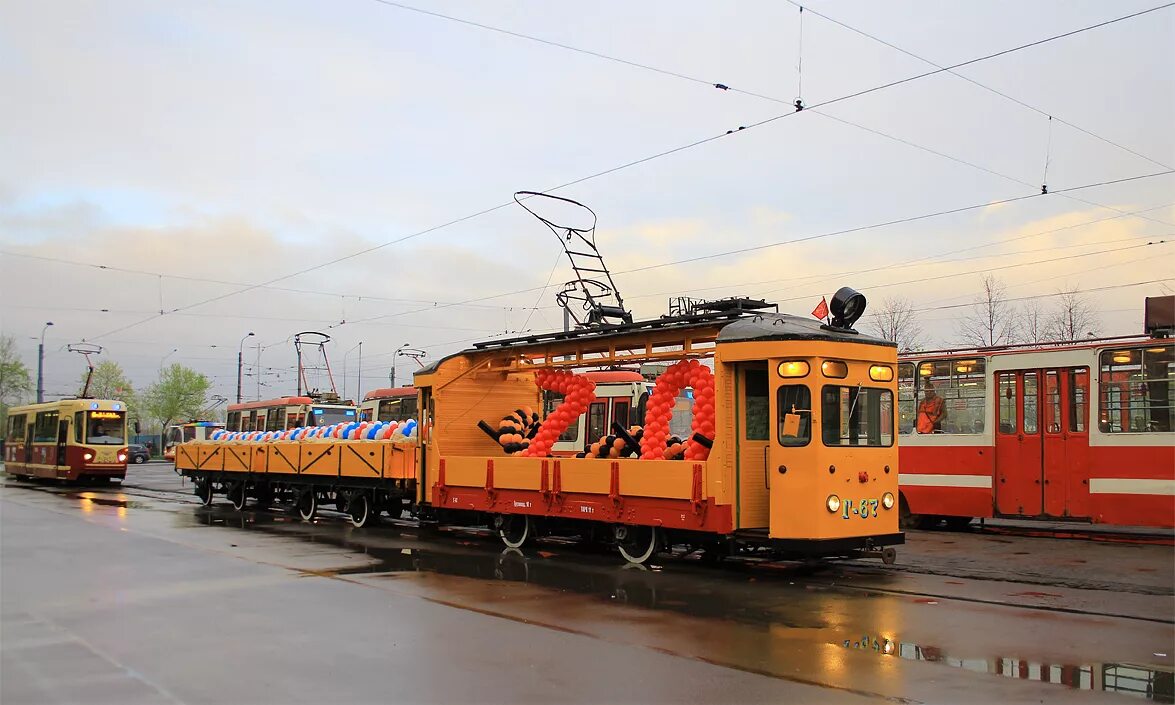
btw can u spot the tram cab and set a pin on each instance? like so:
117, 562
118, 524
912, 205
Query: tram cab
813, 425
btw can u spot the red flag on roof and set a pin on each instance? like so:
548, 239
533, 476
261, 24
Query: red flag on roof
821, 311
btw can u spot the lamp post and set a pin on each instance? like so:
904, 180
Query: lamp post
164, 359
392, 375
240, 363
41, 364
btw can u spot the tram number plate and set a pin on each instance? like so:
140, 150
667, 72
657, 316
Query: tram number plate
861, 508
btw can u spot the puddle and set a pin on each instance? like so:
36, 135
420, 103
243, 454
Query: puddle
1121, 678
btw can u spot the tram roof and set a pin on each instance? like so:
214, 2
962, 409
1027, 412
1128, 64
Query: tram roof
784, 326
720, 326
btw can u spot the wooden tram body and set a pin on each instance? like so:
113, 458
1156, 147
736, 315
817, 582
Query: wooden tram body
802, 464
70, 439
1082, 432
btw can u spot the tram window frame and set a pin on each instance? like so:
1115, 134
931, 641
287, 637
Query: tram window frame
1141, 394
962, 390
622, 412
1030, 406
907, 398
1052, 402
233, 421
17, 424
837, 400
597, 421
756, 405
1009, 409
45, 427
275, 420
1077, 399
800, 404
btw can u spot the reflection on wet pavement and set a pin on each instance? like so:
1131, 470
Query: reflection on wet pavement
1125, 679
760, 617
727, 593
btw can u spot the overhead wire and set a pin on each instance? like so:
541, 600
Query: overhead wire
988, 88
643, 160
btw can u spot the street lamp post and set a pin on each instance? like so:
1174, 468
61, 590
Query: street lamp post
240, 363
164, 359
41, 364
396, 354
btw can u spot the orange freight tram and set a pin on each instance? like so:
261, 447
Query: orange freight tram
791, 449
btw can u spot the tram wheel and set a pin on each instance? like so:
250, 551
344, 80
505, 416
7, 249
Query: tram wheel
638, 543
359, 508
238, 496
515, 529
308, 505
889, 555
204, 492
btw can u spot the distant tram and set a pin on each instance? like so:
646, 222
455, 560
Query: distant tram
184, 432
287, 412
1082, 432
70, 439
791, 446
389, 404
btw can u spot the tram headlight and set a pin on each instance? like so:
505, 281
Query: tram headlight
122, 457
833, 503
887, 500
87, 456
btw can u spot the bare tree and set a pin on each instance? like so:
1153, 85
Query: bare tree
992, 321
1073, 317
1034, 323
895, 320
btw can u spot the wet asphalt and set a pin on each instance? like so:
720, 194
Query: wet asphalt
134, 593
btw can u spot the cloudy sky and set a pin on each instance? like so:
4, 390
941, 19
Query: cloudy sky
195, 151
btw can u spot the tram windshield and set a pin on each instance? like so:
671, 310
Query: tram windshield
328, 416
106, 428
857, 416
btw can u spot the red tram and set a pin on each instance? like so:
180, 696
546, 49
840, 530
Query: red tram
1082, 432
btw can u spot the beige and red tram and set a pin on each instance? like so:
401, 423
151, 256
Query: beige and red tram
287, 412
792, 447
1082, 432
389, 404
70, 439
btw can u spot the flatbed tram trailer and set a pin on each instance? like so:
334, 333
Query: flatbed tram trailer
802, 458
70, 439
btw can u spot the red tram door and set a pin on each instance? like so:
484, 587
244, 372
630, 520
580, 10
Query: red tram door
1066, 442
1042, 442
1018, 447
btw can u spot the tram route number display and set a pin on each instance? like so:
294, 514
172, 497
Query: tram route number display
863, 509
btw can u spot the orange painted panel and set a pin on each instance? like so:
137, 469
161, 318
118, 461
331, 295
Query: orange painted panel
588, 475
281, 458
209, 456
318, 458
400, 462
672, 479
361, 458
518, 473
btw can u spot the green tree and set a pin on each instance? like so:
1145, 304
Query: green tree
180, 393
109, 382
15, 381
